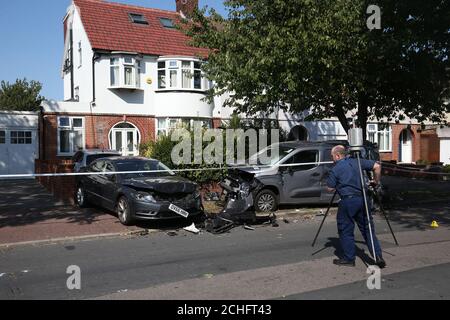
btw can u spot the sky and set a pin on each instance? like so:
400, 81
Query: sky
32, 41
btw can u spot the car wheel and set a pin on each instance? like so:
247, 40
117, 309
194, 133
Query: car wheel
80, 197
124, 211
266, 201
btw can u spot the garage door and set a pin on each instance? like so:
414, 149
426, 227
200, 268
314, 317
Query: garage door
18, 149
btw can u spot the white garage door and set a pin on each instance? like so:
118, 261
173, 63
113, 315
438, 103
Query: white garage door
445, 150
18, 149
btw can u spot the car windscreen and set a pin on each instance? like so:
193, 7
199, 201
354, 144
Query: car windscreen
93, 157
270, 156
135, 166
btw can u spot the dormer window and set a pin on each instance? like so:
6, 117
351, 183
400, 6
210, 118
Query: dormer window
167, 23
137, 18
125, 73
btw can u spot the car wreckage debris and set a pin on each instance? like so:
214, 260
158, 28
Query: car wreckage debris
239, 189
192, 229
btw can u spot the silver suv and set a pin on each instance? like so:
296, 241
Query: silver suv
302, 184
84, 158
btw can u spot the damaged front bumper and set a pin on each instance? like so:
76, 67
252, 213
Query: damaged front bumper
159, 210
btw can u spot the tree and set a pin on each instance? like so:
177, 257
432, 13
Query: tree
20, 96
320, 56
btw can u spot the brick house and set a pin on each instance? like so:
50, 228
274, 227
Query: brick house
129, 75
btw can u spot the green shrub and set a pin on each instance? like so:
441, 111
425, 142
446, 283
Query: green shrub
161, 149
446, 168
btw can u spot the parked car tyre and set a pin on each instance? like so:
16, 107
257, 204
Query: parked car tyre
80, 197
266, 201
124, 211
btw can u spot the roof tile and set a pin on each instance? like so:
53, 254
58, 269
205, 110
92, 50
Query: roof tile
109, 28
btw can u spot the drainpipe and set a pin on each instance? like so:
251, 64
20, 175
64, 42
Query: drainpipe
95, 57
72, 85
41, 134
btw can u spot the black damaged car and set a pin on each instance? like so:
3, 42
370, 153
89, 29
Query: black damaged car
121, 184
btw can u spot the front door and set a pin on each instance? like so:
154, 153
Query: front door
406, 146
125, 141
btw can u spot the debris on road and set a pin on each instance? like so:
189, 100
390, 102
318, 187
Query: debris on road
321, 214
192, 229
248, 227
172, 233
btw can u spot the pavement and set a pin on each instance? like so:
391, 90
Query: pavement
30, 214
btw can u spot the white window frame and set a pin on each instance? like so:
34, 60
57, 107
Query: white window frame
72, 131
178, 122
172, 64
373, 128
120, 63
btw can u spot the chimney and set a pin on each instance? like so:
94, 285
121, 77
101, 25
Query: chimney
186, 7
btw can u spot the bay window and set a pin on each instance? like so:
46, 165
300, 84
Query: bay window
380, 133
125, 72
70, 135
182, 74
166, 125
162, 75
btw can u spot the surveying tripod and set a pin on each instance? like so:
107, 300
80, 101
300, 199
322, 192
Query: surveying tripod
375, 194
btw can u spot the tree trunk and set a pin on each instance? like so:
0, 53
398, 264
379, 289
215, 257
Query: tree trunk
340, 114
362, 116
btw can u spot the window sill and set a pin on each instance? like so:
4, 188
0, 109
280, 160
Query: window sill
126, 88
385, 151
181, 90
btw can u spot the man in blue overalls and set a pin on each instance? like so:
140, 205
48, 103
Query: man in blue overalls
345, 178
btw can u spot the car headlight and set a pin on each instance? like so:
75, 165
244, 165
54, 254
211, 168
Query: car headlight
143, 196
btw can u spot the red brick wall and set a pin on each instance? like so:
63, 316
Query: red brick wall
430, 146
62, 188
217, 123
97, 129
396, 131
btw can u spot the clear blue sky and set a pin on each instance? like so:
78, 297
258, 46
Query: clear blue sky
31, 38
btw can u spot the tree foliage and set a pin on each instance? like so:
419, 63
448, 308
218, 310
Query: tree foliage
20, 96
320, 56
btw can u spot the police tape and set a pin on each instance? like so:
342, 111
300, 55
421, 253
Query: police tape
255, 167
102, 173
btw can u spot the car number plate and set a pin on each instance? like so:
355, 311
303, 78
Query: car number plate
179, 211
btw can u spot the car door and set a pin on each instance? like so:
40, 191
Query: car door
301, 184
108, 186
327, 165
92, 182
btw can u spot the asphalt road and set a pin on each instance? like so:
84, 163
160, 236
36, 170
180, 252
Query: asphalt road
267, 263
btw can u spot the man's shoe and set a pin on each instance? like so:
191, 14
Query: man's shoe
344, 263
380, 263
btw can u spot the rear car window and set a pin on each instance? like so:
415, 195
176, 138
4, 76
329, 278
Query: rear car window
93, 157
